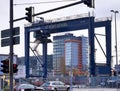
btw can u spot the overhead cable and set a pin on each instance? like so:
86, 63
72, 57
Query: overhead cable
44, 2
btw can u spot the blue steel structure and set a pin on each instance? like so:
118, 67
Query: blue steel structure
70, 25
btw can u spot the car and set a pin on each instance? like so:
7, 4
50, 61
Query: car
55, 86
27, 87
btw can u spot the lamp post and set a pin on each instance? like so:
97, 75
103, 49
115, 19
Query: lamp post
115, 12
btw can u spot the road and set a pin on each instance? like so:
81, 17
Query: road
95, 89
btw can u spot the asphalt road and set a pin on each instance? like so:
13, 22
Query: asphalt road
95, 89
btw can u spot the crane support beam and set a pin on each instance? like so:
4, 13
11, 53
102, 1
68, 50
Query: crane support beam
80, 23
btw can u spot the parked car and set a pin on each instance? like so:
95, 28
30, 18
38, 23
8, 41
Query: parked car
28, 87
55, 86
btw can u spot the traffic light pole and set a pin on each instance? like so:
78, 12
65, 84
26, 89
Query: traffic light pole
51, 10
11, 46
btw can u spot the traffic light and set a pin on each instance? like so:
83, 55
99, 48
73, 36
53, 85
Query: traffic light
15, 69
89, 3
5, 66
29, 14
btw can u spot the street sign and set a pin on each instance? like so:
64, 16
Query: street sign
6, 33
6, 41
5, 37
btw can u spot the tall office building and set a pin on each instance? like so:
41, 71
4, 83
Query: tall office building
58, 49
69, 49
85, 53
73, 56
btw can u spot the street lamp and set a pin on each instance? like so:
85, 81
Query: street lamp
115, 12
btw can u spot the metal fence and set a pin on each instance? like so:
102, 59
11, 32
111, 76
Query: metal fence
82, 81
91, 82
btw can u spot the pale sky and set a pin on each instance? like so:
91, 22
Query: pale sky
102, 9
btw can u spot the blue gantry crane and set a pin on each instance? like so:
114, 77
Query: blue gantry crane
45, 28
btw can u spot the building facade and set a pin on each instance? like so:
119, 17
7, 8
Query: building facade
85, 53
73, 57
34, 64
58, 49
70, 51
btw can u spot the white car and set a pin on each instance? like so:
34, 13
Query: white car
55, 86
27, 86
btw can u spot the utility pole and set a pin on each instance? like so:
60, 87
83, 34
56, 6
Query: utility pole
11, 46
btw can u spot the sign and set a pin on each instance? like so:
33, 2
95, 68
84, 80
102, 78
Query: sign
5, 37
6, 33
6, 41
